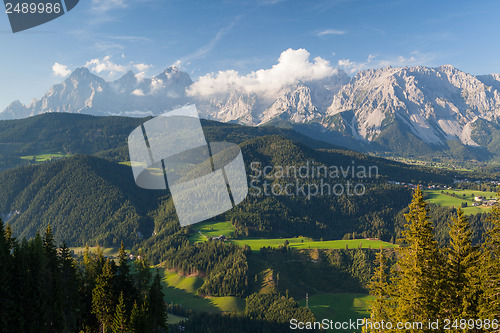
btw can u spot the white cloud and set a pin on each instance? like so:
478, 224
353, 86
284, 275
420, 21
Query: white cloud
330, 32
156, 84
292, 66
142, 67
414, 59
104, 65
60, 70
177, 63
352, 66
138, 92
140, 76
107, 67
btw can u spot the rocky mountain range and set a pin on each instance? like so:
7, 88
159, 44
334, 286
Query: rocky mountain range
131, 95
405, 111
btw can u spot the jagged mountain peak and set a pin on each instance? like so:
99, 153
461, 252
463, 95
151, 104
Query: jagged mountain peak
16, 103
174, 73
295, 106
84, 92
171, 70
83, 73
432, 104
436, 104
129, 76
298, 102
448, 68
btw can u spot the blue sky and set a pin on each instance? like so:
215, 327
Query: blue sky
246, 35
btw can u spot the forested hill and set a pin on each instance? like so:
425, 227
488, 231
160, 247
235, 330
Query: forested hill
280, 151
83, 197
71, 134
87, 134
88, 199
65, 133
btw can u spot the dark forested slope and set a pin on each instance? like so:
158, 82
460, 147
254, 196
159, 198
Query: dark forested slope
94, 199
84, 198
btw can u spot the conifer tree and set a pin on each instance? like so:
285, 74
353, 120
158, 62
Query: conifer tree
490, 273
87, 261
5, 278
22, 288
123, 268
8, 236
71, 302
379, 287
135, 317
143, 276
100, 260
89, 275
157, 306
146, 319
37, 296
49, 245
360, 266
120, 317
140, 319
52, 282
462, 279
418, 284
103, 302
124, 282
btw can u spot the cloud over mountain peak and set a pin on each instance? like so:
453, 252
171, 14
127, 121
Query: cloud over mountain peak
293, 66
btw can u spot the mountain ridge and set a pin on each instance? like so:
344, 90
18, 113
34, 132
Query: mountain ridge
99, 199
439, 107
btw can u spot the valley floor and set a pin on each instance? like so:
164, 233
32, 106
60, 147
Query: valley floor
182, 290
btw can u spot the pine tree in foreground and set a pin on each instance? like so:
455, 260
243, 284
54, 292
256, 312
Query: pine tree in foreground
71, 298
462, 279
490, 273
379, 287
157, 306
52, 281
140, 318
120, 317
135, 317
417, 283
5, 278
124, 282
103, 302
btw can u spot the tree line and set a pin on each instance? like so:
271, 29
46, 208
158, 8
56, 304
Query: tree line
44, 289
456, 284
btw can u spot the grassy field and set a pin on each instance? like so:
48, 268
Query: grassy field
110, 252
189, 284
211, 229
173, 319
44, 157
442, 199
441, 165
307, 243
228, 303
182, 290
339, 307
